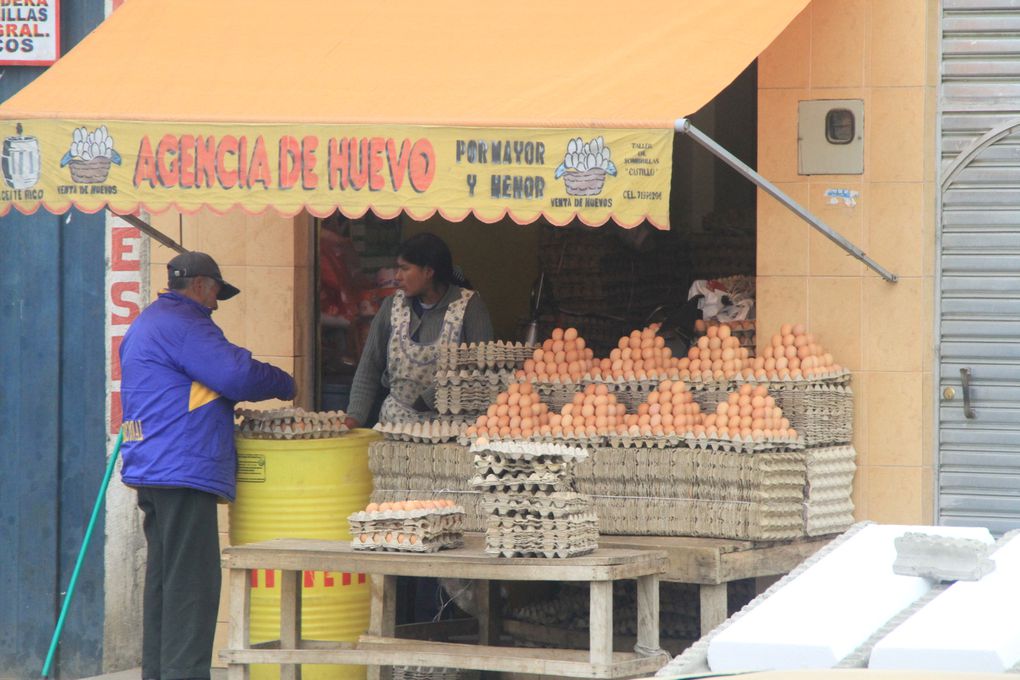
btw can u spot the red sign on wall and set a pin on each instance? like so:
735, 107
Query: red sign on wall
29, 32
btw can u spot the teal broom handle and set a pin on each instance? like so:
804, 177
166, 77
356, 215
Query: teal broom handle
81, 554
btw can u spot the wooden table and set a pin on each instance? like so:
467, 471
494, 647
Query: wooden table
379, 647
712, 563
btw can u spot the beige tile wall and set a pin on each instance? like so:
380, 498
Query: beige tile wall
881, 51
267, 257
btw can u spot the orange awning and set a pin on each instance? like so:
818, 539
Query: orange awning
559, 108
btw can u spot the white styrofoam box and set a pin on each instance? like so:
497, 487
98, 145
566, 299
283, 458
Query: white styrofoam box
972, 626
830, 609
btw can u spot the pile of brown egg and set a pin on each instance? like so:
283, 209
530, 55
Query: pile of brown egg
749, 412
518, 413
642, 355
562, 358
717, 355
669, 409
793, 354
593, 411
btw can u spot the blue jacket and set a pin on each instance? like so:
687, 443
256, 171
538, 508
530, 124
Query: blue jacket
180, 381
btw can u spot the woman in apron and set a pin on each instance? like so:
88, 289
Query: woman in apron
433, 306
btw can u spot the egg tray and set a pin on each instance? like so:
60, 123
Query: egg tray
737, 520
413, 465
522, 483
444, 429
483, 355
551, 504
289, 423
575, 442
830, 468
473, 519
581, 540
441, 542
556, 526
694, 474
528, 451
433, 673
422, 520
822, 518
744, 445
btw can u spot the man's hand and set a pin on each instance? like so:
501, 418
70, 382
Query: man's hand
351, 423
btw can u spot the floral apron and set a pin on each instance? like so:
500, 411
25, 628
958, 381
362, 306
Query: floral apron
412, 365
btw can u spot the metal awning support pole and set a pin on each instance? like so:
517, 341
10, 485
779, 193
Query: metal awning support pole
683, 126
147, 228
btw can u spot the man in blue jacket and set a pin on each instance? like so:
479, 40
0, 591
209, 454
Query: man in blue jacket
180, 381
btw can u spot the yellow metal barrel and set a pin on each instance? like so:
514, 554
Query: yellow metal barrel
304, 488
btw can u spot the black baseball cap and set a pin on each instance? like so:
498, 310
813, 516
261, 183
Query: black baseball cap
193, 263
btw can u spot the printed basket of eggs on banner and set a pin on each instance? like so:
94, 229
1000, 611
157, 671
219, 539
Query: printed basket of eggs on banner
714, 443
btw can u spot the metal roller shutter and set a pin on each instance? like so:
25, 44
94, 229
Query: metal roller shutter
979, 264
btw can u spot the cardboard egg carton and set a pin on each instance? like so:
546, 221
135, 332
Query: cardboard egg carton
444, 429
473, 519
525, 539
542, 505
738, 520
406, 542
289, 423
521, 482
575, 442
420, 466
695, 474
417, 530
516, 467
483, 355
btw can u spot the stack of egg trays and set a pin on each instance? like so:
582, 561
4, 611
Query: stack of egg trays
290, 423
483, 356
528, 494
435, 431
469, 391
408, 530
412, 466
543, 524
710, 488
828, 505
468, 500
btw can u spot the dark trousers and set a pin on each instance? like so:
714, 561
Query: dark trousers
182, 582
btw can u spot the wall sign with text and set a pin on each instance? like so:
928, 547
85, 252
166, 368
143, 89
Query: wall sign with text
29, 32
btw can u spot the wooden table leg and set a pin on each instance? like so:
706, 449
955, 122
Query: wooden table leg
383, 615
600, 622
239, 630
714, 603
290, 620
647, 615
487, 599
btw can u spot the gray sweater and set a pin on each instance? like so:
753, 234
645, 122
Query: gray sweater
372, 372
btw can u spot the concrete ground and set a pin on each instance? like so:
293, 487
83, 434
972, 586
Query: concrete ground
136, 674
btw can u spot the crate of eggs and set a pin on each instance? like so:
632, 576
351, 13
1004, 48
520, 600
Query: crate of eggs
408, 526
289, 423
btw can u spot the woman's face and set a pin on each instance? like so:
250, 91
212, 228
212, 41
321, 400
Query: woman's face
413, 279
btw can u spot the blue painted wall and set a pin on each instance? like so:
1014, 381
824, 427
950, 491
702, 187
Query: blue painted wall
52, 418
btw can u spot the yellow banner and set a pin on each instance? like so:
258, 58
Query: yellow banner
558, 174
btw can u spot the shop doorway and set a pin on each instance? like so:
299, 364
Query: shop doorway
604, 281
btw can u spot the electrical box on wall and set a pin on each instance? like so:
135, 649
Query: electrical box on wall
830, 137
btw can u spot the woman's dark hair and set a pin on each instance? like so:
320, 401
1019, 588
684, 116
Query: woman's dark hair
428, 250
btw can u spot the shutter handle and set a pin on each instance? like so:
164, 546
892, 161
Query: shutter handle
968, 412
